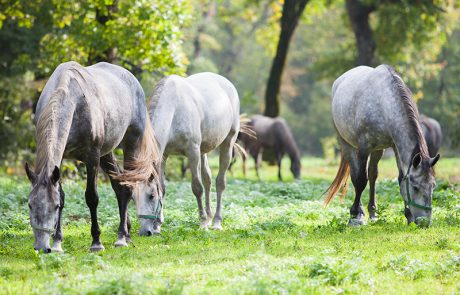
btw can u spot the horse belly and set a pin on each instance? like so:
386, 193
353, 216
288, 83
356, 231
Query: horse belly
362, 127
214, 130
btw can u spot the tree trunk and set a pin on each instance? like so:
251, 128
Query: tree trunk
358, 14
110, 54
292, 10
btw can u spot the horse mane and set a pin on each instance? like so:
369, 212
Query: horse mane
145, 163
157, 93
411, 111
46, 131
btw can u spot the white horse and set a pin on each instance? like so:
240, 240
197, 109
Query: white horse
191, 117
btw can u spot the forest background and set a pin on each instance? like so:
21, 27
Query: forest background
282, 56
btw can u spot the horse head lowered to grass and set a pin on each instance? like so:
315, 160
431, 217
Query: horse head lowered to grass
373, 109
193, 116
85, 113
271, 133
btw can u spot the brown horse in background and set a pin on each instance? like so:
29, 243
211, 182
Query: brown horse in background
272, 133
432, 133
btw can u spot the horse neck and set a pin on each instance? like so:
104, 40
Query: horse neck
408, 144
292, 150
161, 119
53, 127
288, 143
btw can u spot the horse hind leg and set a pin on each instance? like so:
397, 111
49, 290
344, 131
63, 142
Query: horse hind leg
221, 181
372, 172
197, 186
206, 177
358, 163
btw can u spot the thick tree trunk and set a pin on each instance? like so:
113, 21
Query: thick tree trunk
358, 14
292, 10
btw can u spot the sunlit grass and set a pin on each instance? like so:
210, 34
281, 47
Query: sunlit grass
277, 238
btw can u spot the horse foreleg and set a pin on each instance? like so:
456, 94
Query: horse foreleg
279, 157
206, 177
358, 173
372, 172
123, 193
257, 155
158, 222
197, 186
58, 236
92, 200
221, 181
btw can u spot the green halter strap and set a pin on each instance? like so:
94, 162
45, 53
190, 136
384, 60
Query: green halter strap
411, 202
45, 229
156, 213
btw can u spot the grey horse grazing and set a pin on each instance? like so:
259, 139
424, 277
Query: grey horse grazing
372, 110
193, 116
433, 134
84, 113
273, 133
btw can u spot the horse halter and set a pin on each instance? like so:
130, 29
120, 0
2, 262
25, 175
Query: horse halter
410, 201
156, 212
45, 229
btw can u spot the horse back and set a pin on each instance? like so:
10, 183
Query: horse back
365, 107
200, 109
106, 100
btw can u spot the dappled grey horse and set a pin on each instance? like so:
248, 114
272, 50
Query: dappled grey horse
272, 133
432, 133
84, 113
372, 110
193, 116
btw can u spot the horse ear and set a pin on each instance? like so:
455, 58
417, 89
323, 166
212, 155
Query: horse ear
434, 160
30, 174
417, 160
56, 175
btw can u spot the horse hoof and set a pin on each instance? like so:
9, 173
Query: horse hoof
373, 219
356, 222
121, 243
217, 226
57, 248
204, 224
97, 248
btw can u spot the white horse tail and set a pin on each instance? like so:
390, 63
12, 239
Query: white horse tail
246, 127
340, 181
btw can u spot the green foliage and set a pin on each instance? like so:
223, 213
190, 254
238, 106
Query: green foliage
36, 36
145, 34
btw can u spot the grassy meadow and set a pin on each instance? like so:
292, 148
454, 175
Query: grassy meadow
277, 239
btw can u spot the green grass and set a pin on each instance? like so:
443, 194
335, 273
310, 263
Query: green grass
277, 238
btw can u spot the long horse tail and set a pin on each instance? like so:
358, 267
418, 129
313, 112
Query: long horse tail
146, 162
246, 131
246, 126
340, 181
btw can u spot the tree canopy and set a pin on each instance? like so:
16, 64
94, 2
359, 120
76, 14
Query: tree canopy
240, 40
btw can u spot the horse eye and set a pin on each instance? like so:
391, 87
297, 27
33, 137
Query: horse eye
57, 207
151, 197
